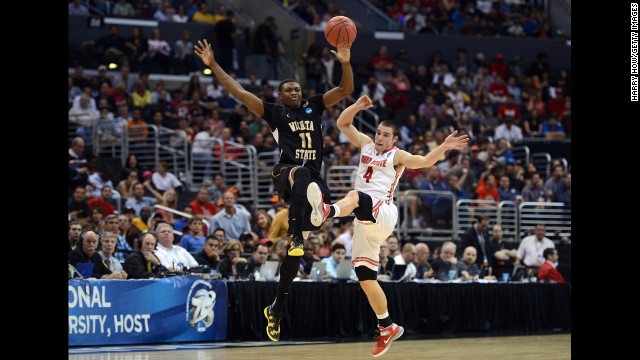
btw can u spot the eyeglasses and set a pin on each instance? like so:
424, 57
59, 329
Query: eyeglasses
234, 250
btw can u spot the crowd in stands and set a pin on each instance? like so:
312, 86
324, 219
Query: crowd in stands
157, 252
497, 102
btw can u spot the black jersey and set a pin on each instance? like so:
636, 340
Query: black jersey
298, 132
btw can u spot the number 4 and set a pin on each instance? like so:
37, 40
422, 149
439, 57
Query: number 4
368, 173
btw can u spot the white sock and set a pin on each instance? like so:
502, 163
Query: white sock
382, 316
337, 209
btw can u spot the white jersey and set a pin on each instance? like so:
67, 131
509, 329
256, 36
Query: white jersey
377, 176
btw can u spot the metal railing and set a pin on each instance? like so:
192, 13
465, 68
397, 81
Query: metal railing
542, 161
341, 179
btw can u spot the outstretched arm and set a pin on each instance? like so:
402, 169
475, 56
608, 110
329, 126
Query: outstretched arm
331, 97
205, 52
417, 161
345, 122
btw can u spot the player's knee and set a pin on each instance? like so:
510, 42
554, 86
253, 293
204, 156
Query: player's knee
364, 273
301, 173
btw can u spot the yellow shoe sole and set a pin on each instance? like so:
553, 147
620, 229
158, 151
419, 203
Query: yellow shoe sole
295, 252
266, 314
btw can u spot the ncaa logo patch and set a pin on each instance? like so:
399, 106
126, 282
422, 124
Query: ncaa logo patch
200, 304
308, 110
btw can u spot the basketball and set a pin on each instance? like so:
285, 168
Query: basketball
340, 30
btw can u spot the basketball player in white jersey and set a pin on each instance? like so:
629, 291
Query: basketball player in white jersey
380, 168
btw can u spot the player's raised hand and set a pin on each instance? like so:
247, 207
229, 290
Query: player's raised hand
342, 53
456, 143
205, 52
364, 102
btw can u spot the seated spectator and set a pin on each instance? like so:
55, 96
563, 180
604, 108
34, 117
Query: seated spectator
104, 201
77, 206
129, 232
228, 266
195, 240
338, 252
122, 248
93, 222
209, 255
552, 129
408, 257
262, 224
74, 234
164, 180
467, 268
201, 205
423, 267
501, 254
138, 201
563, 194
173, 257
143, 263
386, 262
86, 252
261, 252
446, 261
280, 250
549, 270
108, 247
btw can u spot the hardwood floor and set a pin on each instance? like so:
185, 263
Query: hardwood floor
548, 347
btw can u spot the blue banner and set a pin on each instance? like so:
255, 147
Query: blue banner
176, 309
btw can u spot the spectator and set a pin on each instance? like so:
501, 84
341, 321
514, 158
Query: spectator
337, 254
122, 247
530, 251
501, 254
508, 131
549, 270
109, 244
143, 263
202, 205
423, 266
209, 255
103, 201
173, 257
77, 206
231, 218
74, 234
195, 240
445, 262
164, 180
228, 266
86, 252
138, 201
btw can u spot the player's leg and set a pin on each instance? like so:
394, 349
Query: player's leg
299, 179
367, 238
290, 264
357, 202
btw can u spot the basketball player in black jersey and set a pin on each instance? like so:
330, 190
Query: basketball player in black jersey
296, 126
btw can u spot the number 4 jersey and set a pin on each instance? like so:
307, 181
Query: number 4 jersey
376, 173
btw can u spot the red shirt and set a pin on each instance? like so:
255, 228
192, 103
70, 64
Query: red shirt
549, 272
106, 207
198, 208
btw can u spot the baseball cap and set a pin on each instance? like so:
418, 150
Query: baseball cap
147, 173
265, 242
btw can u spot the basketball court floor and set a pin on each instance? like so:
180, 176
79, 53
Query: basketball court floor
548, 347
